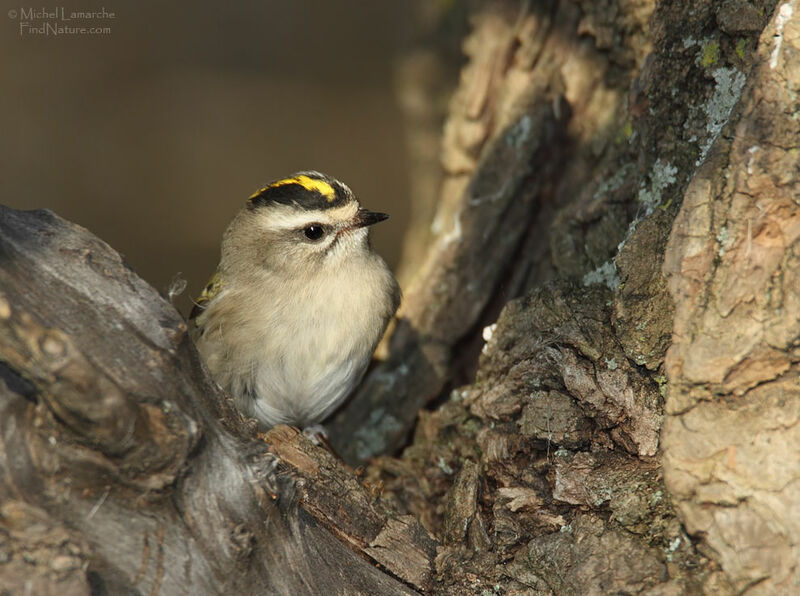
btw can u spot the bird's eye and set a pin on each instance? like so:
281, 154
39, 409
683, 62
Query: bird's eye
314, 232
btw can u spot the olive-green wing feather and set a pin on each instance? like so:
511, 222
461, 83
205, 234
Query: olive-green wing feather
212, 289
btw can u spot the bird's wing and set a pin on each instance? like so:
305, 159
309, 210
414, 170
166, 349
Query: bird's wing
213, 287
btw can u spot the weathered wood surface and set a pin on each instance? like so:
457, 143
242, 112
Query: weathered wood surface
116, 474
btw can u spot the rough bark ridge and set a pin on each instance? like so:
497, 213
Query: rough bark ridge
732, 435
588, 146
545, 470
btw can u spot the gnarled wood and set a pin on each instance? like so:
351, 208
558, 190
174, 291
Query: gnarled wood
111, 433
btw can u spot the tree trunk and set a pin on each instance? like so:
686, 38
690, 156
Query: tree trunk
593, 376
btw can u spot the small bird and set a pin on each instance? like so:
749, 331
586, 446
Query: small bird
288, 323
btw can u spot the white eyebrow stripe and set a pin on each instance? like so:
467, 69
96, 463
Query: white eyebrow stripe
283, 217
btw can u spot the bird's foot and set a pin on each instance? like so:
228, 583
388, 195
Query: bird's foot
317, 434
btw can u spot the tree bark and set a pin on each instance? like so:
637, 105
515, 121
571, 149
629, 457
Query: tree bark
593, 376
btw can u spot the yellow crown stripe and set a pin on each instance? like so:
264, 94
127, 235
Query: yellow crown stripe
310, 184
258, 192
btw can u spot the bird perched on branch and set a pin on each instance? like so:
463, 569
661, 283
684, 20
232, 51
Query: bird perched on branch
290, 320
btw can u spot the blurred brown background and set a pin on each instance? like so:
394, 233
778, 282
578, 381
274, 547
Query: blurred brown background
153, 135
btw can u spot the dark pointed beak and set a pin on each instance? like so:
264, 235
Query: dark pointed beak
367, 218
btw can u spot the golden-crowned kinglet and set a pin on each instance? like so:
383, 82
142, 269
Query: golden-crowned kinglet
289, 321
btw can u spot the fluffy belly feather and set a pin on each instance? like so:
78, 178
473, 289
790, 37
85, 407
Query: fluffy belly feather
294, 392
294, 359
303, 368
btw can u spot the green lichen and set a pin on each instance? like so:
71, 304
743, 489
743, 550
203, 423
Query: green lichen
442, 465
604, 274
662, 385
614, 182
627, 130
625, 133
741, 46
661, 176
709, 54
370, 439
728, 89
